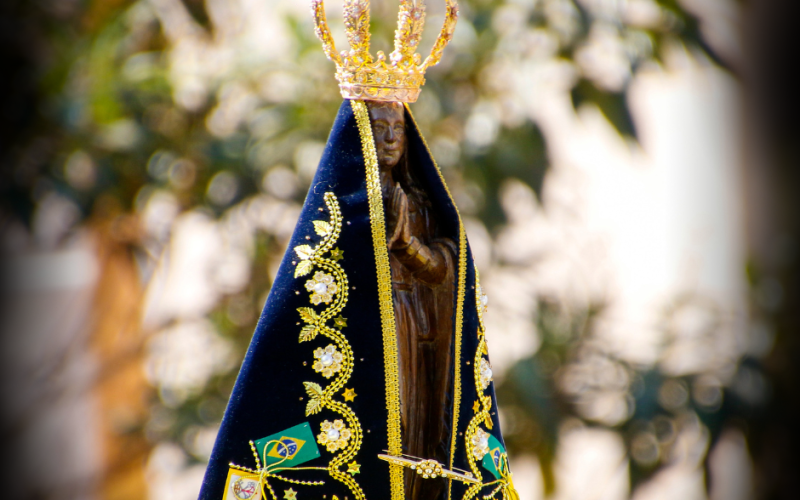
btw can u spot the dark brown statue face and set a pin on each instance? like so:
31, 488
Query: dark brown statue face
389, 131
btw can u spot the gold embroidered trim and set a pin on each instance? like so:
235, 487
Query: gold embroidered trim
474, 430
329, 284
462, 282
475, 434
482, 417
384, 295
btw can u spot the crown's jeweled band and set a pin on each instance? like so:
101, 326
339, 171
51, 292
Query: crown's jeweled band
398, 80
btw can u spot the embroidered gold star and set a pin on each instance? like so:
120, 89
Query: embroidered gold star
353, 468
349, 394
476, 406
337, 254
290, 494
340, 322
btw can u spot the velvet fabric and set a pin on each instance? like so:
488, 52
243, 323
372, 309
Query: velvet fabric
269, 396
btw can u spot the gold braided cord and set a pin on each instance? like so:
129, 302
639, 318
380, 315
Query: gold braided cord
384, 274
462, 283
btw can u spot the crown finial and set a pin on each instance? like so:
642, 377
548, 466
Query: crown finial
400, 78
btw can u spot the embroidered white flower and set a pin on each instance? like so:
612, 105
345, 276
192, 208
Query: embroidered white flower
334, 435
322, 288
328, 361
486, 373
480, 443
483, 300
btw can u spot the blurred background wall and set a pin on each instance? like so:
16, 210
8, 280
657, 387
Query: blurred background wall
625, 169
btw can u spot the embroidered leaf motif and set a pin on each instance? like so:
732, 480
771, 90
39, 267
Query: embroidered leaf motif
307, 314
305, 252
313, 389
308, 333
313, 406
315, 402
322, 228
303, 267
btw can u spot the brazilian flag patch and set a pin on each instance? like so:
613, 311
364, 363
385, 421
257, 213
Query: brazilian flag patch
493, 461
294, 446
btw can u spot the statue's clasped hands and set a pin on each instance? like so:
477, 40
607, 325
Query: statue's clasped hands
401, 237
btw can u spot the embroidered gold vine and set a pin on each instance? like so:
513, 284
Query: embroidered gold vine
329, 285
476, 438
384, 274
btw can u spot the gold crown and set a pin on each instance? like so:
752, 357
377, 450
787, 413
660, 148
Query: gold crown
400, 79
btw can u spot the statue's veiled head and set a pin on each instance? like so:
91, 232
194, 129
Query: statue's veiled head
389, 130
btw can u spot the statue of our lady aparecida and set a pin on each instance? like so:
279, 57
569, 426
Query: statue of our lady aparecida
368, 375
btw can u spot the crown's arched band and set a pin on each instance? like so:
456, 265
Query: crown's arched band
399, 79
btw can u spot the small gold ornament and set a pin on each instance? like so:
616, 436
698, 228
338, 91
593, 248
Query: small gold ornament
428, 469
400, 78
349, 394
290, 494
353, 468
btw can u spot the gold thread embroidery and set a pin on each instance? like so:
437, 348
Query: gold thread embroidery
475, 435
384, 273
474, 432
330, 284
462, 282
